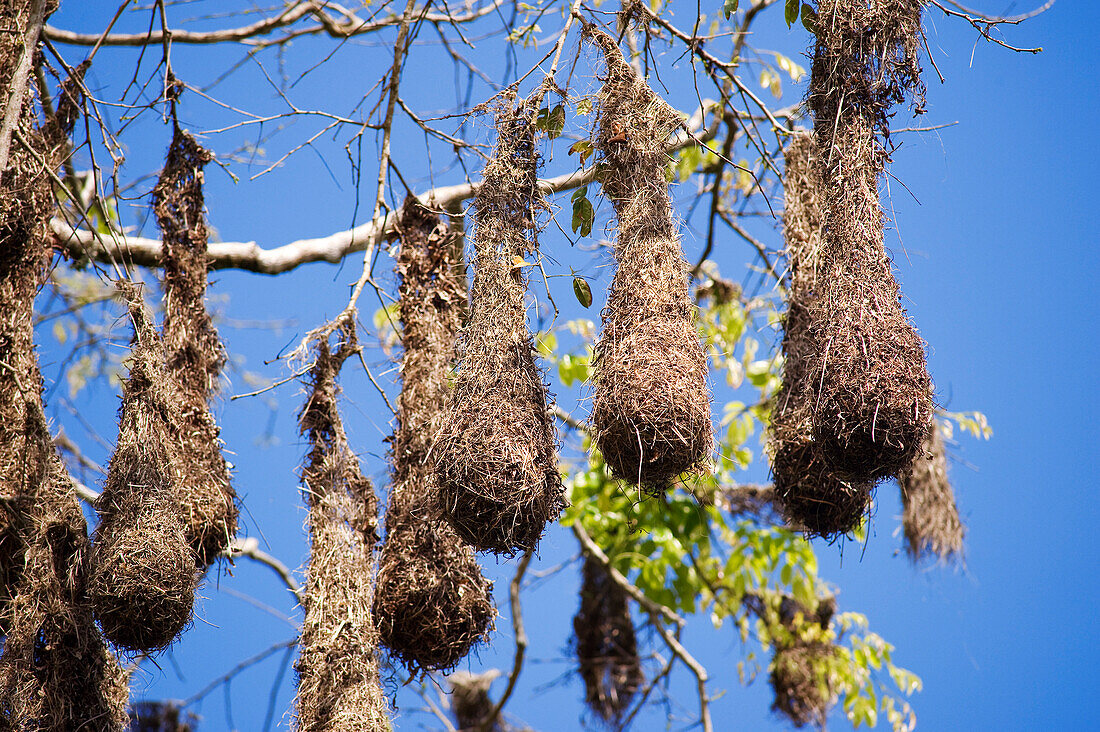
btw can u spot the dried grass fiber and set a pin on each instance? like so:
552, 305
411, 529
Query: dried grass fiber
605, 644
339, 689
930, 517
55, 672
496, 456
432, 604
195, 355
872, 395
471, 703
650, 400
143, 577
809, 495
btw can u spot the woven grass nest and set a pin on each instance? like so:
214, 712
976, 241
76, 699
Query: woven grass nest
810, 496
339, 689
930, 516
873, 396
496, 456
143, 577
432, 604
194, 353
605, 645
650, 401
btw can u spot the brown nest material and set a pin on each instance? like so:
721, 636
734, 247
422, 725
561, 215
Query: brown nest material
160, 716
471, 704
809, 495
606, 648
650, 399
194, 351
26, 202
143, 576
496, 455
432, 604
55, 672
930, 517
872, 396
800, 682
339, 689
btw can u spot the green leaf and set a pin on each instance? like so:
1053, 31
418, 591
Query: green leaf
729, 7
809, 18
555, 122
582, 291
583, 214
790, 12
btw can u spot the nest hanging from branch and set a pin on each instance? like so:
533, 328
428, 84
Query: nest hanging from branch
195, 355
930, 516
143, 576
431, 604
605, 644
650, 401
55, 671
872, 396
26, 202
496, 456
339, 689
471, 703
810, 496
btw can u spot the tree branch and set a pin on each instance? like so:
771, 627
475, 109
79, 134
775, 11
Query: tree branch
118, 247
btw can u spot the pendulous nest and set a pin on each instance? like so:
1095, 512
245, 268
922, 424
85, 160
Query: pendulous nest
930, 516
55, 671
143, 577
160, 716
471, 703
431, 604
650, 400
194, 352
872, 395
800, 683
605, 644
339, 689
496, 457
809, 495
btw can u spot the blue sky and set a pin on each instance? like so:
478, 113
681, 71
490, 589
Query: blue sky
995, 247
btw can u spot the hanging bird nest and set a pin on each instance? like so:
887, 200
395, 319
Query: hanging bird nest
810, 496
471, 703
800, 682
605, 644
160, 716
930, 517
431, 603
26, 202
650, 400
195, 355
339, 689
496, 455
55, 671
872, 399
143, 575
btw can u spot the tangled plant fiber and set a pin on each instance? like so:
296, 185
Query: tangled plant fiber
809, 495
606, 647
496, 456
339, 689
650, 401
195, 355
55, 671
930, 517
143, 575
804, 650
431, 603
872, 399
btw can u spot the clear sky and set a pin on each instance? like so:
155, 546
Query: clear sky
995, 243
